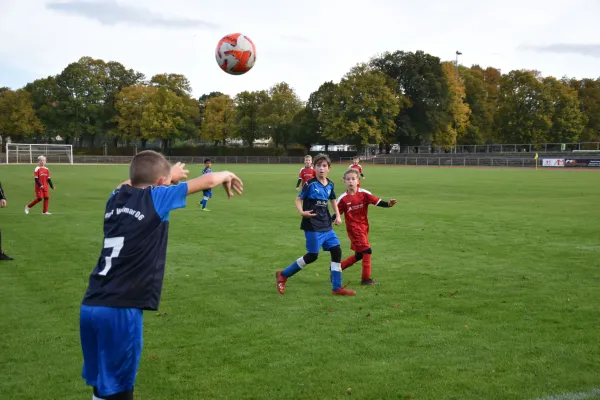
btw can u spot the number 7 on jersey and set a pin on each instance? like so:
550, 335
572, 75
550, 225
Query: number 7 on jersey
116, 243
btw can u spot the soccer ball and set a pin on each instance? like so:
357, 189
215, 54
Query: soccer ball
235, 54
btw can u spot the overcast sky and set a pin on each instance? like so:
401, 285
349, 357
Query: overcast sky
302, 42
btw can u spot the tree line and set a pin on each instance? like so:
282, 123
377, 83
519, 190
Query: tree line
411, 98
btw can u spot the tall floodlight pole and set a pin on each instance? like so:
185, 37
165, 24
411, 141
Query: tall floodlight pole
458, 53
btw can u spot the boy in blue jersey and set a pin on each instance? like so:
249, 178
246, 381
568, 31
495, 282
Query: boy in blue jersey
128, 276
206, 193
311, 203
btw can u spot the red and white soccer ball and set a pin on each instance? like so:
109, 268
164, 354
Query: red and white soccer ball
235, 54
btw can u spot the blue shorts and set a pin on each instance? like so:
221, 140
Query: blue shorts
111, 340
207, 193
316, 240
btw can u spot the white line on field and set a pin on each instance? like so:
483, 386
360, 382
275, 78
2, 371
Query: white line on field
573, 396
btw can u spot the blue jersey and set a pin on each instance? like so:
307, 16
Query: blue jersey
315, 196
206, 171
130, 270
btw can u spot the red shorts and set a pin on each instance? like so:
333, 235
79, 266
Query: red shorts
359, 241
42, 193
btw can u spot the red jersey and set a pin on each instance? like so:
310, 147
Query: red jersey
356, 166
42, 174
306, 174
355, 209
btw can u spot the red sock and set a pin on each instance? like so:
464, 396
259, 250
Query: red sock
45, 205
348, 262
33, 203
366, 267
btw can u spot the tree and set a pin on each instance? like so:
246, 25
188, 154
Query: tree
479, 129
149, 112
248, 106
44, 94
362, 110
17, 116
131, 104
81, 99
219, 119
568, 122
422, 85
179, 85
525, 109
278, 113
589, 103
458, 111
313, 127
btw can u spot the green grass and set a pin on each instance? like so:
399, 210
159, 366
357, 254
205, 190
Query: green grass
489, 290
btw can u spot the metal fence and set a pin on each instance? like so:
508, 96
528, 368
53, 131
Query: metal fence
439, 161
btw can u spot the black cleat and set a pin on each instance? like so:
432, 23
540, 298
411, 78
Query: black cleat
4, 257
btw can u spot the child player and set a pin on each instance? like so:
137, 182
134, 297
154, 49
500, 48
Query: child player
306, 173
208, 192
128, 276
354, 205
311, 203
355, 165
41, 175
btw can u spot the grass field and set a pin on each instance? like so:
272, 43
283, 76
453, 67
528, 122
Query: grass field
489, 290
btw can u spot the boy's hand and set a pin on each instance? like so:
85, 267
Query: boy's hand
392, 203
2, 203
178, 172
298, 189
338, 220
308, 214
235, 183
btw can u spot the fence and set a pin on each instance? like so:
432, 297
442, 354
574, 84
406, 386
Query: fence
407, 160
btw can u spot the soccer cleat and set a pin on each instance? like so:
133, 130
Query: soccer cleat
5, 257
27, 210
281, 280
47, 213
205, 209
369, 282
343, 292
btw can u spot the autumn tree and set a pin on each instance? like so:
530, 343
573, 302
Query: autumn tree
248, 115
17, 116
525, 109
277, 113
219, 119
568, 122
588, 91
362, 110
420, 82
458, 110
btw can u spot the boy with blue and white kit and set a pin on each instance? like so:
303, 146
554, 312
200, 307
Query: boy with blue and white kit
208, 192
128, 276
311, 204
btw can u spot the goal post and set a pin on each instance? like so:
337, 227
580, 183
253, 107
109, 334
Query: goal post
27, 153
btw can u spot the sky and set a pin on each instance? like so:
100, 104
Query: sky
303, 43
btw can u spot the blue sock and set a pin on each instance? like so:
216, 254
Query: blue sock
292, 269
336, 275
203, 202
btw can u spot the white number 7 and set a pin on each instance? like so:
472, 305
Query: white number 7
116, 243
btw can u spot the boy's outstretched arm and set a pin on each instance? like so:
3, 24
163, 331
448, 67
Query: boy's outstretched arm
386, 204
227, 179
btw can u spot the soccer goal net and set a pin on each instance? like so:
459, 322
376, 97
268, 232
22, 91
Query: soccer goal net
26, 153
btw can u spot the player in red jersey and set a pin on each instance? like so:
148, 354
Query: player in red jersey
306, 173
354, 204
355, 165
41, 175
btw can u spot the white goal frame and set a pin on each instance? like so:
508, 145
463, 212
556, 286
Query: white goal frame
27, 153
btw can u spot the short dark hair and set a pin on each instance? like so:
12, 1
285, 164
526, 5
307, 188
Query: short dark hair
147, 167
320, 157
206, 160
